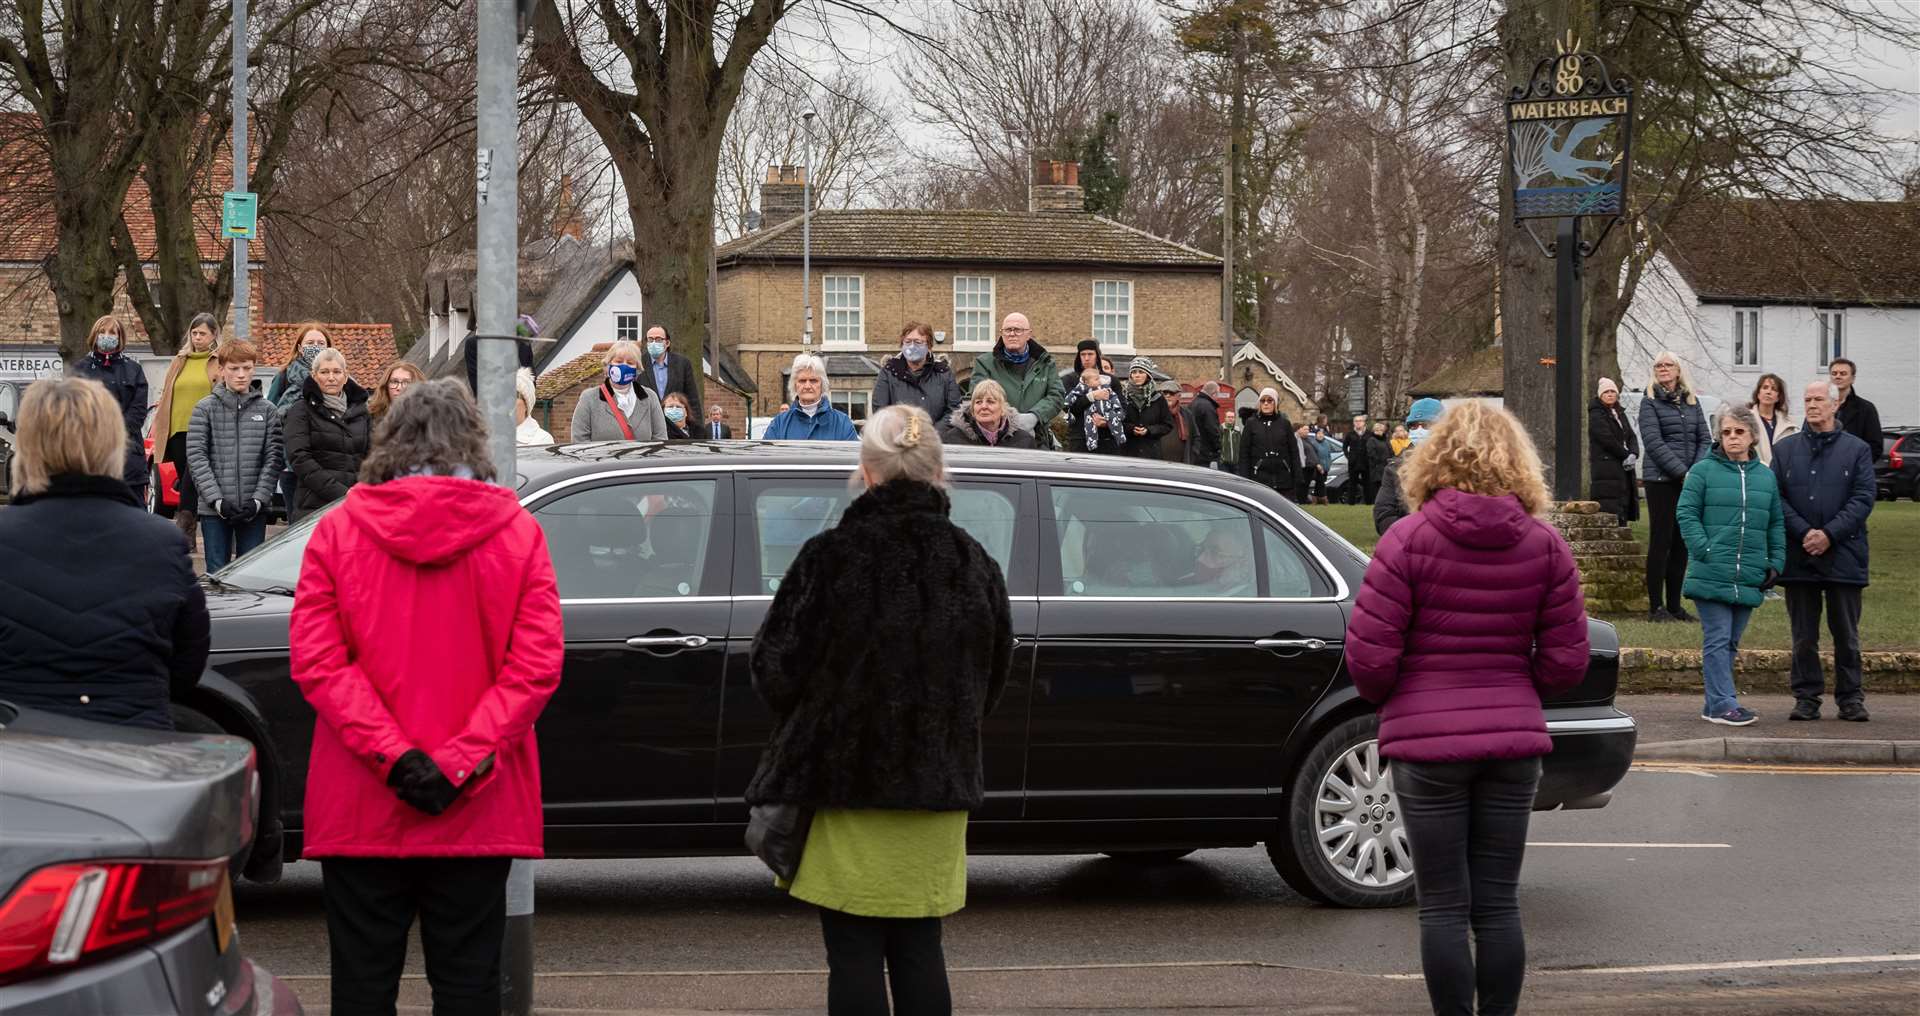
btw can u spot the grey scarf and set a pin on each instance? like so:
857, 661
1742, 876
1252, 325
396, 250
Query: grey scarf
337, 403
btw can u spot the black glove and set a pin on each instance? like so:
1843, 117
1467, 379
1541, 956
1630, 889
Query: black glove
254, 508
416, 780
227, 511
1772, 579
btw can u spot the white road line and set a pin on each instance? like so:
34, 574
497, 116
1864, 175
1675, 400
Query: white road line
1704, 968
1651, 846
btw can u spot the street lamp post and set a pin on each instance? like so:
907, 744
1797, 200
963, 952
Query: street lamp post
806, 225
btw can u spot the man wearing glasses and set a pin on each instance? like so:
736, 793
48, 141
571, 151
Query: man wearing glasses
1026, 370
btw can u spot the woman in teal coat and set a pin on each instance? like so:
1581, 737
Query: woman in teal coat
1736, 536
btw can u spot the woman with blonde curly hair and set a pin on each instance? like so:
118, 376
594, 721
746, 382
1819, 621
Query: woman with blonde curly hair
1470, 612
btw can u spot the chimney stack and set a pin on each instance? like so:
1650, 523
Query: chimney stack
1056, 188
782, 195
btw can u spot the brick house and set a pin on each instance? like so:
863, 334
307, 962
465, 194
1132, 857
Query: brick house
1075, 275
29, 309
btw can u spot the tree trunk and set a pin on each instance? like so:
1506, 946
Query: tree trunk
1416, 281
1527, 34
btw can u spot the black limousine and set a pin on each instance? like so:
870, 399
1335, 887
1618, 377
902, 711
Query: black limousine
1177, 679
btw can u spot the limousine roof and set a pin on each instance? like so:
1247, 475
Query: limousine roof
547, 464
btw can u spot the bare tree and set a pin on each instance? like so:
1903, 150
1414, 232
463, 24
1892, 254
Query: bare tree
856, 142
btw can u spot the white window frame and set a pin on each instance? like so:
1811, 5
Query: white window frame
1108, 345
992, 311
1746, 337
620, 320
1832, 345
847, 399
859, 311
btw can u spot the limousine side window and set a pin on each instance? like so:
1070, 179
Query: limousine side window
1151, 544
787, 516
631, 540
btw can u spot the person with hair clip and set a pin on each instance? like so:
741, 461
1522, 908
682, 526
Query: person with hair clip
884, 746
1469, 614
189, 379
1674, 435
108, 363
424, 775
109, 635
1729, 515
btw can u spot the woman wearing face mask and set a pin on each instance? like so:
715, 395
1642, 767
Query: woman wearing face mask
811, 417
884, 746
1736, 535
675, 408
1388, 504
983, 421
108, 363
620, 409
915, 378
1673, 431
189, 379
286, 390
326, 433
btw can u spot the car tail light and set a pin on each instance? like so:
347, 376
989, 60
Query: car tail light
1893, 457
67, 914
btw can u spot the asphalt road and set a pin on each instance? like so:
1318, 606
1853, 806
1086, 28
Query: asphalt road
1743, 891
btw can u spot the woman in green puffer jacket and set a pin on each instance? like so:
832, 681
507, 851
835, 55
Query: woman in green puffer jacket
1736, 536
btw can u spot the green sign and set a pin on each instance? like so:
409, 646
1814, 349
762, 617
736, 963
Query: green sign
238, 213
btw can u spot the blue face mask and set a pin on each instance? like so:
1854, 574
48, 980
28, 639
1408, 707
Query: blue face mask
1418, 434
656, 350
675, 414
915, 352
622, 374
107, 343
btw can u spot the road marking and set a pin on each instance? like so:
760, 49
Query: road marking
1702, 968
1761, 768
1655, 846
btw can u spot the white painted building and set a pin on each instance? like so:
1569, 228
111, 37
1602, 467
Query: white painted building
1748, 287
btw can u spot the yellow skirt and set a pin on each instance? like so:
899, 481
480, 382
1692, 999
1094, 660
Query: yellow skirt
875, 862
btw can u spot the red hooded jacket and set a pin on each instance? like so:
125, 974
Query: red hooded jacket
427, 617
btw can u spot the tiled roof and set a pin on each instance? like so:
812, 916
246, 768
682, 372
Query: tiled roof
1857, 252
28, 231
1481, 372
1068, 238
368, 348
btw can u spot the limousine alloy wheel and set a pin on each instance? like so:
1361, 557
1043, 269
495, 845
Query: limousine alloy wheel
1343, 839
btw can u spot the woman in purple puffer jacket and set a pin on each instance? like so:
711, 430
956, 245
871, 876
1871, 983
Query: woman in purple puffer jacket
1470, 612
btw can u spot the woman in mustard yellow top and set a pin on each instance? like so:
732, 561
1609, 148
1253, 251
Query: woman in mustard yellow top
189, 379
877, 717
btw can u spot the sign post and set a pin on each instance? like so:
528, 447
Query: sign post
1569, 143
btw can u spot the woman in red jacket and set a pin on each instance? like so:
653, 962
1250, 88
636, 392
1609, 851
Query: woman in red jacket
1470, 612
427, 637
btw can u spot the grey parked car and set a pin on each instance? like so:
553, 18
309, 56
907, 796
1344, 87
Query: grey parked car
115, 851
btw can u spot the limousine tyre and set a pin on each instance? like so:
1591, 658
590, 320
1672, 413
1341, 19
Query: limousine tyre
1148, 857
1323, 849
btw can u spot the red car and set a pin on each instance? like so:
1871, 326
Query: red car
162, 499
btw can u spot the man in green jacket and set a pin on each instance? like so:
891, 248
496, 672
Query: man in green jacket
1731, 518
1025, 369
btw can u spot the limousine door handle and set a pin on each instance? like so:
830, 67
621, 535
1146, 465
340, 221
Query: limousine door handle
1312, 645
673, 643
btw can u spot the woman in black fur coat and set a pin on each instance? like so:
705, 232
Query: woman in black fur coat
877, 717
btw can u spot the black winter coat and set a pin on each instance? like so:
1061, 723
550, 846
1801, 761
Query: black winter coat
1862, 419
1269, 452
1354, 443
324, 447
1610, 439
100, 616
933, 389
1379, 453
127, 383
888, 643
1826, 483
1674, 432
1158, 420
1204, 414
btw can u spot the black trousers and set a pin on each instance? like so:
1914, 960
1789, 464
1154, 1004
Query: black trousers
1467, 825
1843, 623
1666, 551
866, 954
371, 903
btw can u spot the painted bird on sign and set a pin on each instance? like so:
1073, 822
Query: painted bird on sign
1560, 160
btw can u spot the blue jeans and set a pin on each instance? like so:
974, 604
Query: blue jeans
1721, 625
223, 541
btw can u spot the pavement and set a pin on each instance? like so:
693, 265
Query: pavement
1699, 889
1671, 729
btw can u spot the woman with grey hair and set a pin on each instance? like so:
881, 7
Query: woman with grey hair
884, 746
620, 409
423, 778
811, 417
327, 433
1731, 518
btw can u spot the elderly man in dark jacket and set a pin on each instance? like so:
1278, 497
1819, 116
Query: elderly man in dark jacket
1204, 414
1826, 494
